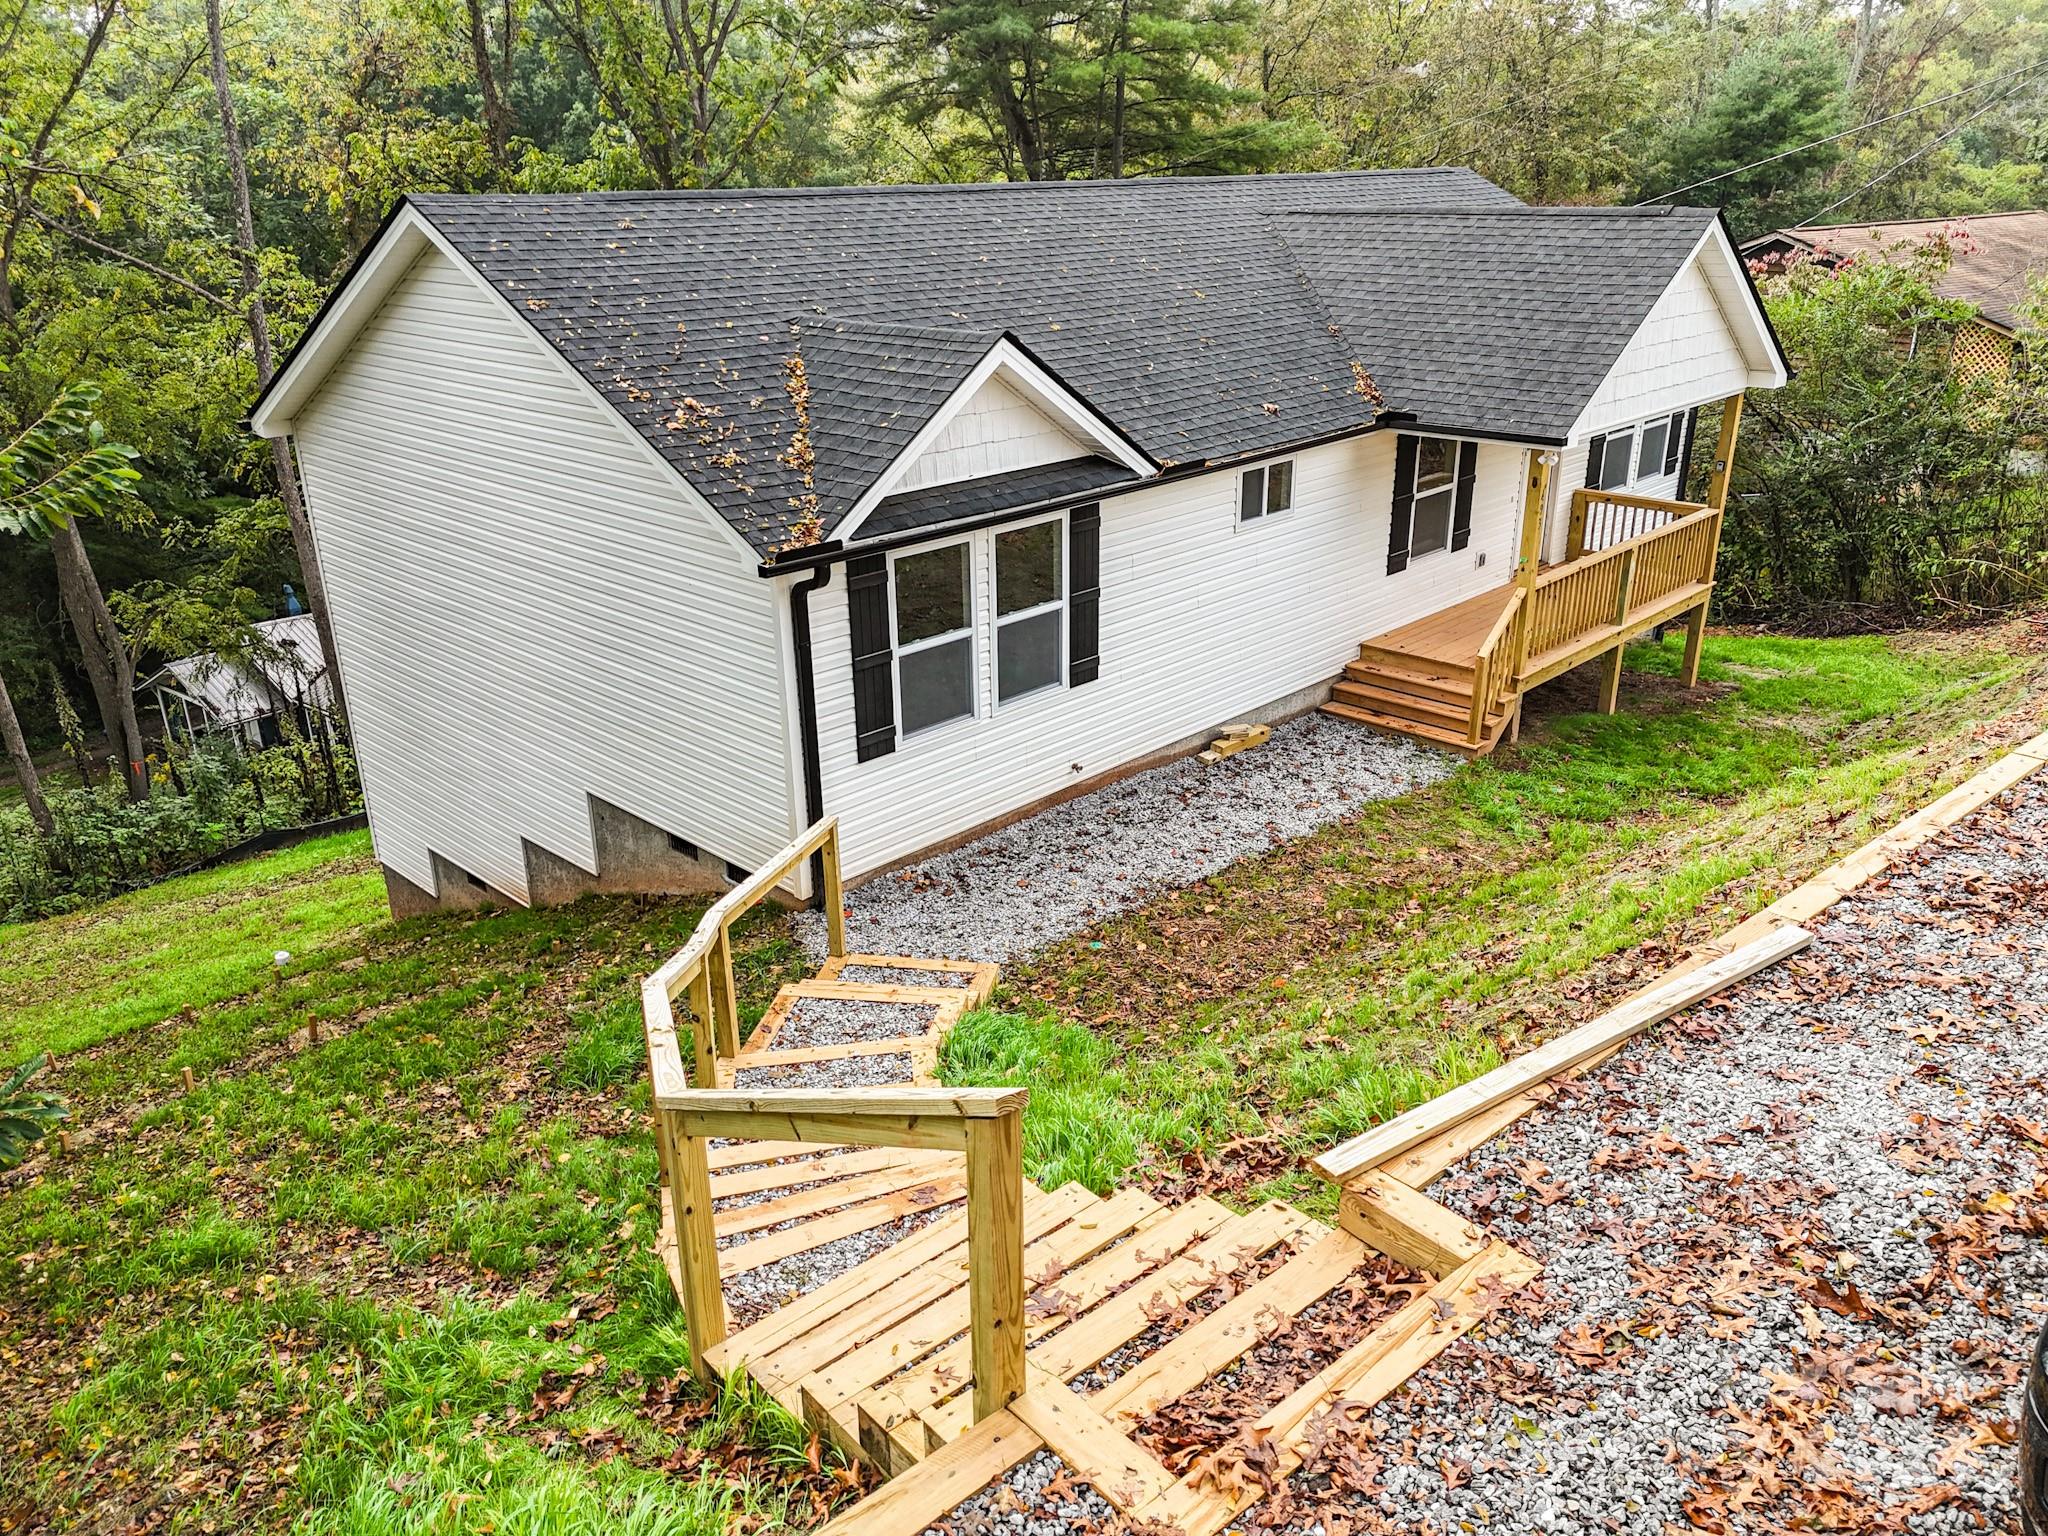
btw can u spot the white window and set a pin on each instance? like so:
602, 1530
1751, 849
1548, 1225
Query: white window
1436, 490
1617, 459
1650, 458
1266, 491
934, 637
1031, 608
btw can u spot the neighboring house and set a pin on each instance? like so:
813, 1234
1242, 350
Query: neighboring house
1995, 258
925, 505
281, 675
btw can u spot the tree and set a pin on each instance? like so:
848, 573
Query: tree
1048, 89
1780, 94
249, 283
60, 467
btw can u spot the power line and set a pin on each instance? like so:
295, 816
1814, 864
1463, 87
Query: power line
1878, 122
1932, 144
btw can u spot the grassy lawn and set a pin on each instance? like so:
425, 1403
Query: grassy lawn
398, 1278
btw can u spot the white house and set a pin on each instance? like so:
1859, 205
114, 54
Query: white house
243, 695
657, 525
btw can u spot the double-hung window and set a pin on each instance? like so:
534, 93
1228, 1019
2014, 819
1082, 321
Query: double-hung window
934, 622
1617, 460
1266, 491
1436, 475
1031, 602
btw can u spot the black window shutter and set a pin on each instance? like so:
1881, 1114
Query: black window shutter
874, 680
1673, 436
1084, 595
1692, 427
1461, 504
1596, 451
1402, 523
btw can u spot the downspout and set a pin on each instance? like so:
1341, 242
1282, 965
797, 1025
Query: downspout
807, 711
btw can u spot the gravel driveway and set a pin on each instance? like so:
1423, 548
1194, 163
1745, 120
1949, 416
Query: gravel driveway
1090, 858
1794, 1248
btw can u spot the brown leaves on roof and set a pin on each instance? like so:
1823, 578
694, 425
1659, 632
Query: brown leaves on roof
800, 455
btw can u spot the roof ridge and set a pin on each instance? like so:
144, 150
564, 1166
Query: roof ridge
820, 324
1952, 218
871, 189
1451, 211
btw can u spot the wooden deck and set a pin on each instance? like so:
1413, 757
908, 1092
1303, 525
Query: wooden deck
1456, 677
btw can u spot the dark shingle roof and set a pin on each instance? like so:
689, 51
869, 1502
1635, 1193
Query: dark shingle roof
1502, 321
1168, 305
963, 500
1206, 318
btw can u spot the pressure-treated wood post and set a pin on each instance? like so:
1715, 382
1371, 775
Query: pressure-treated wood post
1534, 495
834, 896
1695, 636
703, 1057
689, 1190
1724, 453
995, 1259
1610, 681
725, 998
1575, 536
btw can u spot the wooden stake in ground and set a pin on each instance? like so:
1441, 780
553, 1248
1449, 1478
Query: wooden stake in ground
186, 1073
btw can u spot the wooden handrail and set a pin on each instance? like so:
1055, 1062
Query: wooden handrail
1593, 596
1550, 575
983, 1123
1585, 499
1488, 685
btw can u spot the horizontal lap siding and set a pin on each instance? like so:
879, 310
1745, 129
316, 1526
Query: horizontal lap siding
529, 612
996, 431
1200, 621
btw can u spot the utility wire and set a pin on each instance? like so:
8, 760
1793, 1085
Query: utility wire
1932, 144
1878, 122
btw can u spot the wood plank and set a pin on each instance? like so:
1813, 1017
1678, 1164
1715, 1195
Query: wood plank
1068, 1351
936, 1133
995, 1260
942, 1324
1386, 1141
703, 1294
753, 1180
1408, 1227
747, 1154
929, 1244
908, 1504
959, 1103
881, 1324
866, 1216
803, 1056
878, 992
1156, 1244
1421, 1163
1100, 1454
818, 1199
1207, 1347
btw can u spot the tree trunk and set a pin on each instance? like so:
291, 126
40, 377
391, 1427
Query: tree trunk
1865, 24
24, 765
497, 110
107, 662
259, 343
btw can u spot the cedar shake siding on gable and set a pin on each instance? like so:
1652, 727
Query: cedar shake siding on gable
1200, 621
532, 612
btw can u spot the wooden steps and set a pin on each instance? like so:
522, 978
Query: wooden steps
1414, 694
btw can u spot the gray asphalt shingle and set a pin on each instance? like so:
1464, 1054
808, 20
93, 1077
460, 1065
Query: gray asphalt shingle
1207, 318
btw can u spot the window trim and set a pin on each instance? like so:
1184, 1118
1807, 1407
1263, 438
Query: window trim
1448, 490
999, 620
1267, 512
972, 633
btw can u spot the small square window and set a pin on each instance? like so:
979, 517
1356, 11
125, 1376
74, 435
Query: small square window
1279, 486
1266, 491
1615, 460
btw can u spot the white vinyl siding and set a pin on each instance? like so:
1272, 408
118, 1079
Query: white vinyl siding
1199, 624
1682, 353
996, 431
530, 611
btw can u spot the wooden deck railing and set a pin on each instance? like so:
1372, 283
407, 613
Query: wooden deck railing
1493, 667
1599, 592
1603, 519
983, 1123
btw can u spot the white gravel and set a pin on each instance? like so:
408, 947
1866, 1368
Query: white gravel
816, 1021
876, 1071
1794, 1248
1071, 866
754, 1293
1028, 1501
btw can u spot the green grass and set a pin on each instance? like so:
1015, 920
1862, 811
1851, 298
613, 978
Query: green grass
70, 982
399, 1279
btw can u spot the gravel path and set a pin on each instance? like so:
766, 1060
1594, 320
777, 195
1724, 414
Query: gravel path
1794, 1248
1066, 868
816, 1021
1040, 1496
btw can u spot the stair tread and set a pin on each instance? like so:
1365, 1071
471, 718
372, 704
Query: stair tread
1420, 666
1452, 739
1390, 702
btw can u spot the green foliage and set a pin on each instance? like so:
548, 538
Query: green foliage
106, 843
1883, 481
27, 1114
1779, 94
61, 466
